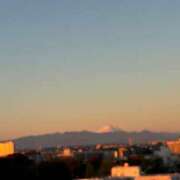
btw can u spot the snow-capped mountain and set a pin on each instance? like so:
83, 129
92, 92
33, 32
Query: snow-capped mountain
108, 129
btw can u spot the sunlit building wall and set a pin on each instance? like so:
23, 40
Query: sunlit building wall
174, 146
125, 171
6, 148
159, 177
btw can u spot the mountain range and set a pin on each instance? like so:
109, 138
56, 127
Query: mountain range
106, 135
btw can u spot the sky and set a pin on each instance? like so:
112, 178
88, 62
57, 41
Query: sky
69, 65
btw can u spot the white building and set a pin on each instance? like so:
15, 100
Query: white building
159, 177
125, 171
134, 173
152, 177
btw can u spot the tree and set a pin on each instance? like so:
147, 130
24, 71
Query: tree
105, 167
54, 170
90, 171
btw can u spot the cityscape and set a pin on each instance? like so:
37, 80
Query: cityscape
150, 161
90, 89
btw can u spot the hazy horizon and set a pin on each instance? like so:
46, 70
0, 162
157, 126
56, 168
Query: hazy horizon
98, 131
73, 65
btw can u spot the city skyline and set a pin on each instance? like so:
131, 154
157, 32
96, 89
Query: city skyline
72, 66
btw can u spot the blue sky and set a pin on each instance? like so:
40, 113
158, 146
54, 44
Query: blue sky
72, 65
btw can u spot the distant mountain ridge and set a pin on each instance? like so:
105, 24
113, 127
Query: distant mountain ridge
91, 138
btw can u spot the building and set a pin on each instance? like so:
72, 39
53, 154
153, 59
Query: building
165, 154
174, 146
35, 156
120, 153
134, 172
67, 152
6, 148
159, 177
151, 177
125, 171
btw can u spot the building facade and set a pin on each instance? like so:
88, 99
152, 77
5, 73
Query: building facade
6, 148
159, 177
125, 171
174, 146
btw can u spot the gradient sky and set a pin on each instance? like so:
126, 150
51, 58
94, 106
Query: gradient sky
81, 64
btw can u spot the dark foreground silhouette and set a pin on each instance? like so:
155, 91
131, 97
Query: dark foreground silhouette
20, 167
